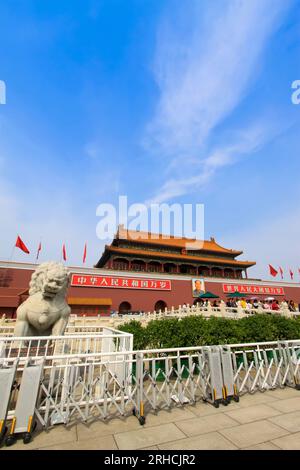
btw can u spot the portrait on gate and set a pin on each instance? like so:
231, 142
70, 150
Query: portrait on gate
198, 287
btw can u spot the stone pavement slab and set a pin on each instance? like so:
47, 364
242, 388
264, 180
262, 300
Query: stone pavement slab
289, 442
288, 405
205, 424
58, 435
150, 448
289, 421
253, 433
252, 413
170, 416
206, 409
210, 441
263, 446
257, 398
283, 393
258, 422
145, 437
103, 428
99, 443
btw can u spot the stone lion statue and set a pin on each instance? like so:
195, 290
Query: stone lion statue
46, 311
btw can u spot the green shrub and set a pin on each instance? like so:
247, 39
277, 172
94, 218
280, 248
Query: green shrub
197, 331
140, 337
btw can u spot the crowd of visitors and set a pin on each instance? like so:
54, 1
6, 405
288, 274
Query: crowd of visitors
253, 304
244, 303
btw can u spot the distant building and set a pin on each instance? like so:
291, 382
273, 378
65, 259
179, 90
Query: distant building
152, 253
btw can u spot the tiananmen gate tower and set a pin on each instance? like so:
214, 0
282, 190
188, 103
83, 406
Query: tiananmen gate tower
142, 271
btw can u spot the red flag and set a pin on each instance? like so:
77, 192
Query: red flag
38, 251
273, 271
281, 272
84, 254
64, 253
291, 274
20, 244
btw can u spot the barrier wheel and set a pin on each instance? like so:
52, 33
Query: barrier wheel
297, 387
142, 420
225, 402
236, 398
27, 437
216, 404
2, 435
134, 412
10, 440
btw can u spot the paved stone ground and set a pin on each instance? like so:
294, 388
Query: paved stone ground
262, 421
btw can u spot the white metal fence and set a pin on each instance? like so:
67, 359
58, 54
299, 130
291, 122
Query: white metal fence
81, 378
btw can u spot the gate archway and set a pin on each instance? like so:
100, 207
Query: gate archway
124, 307
160, 305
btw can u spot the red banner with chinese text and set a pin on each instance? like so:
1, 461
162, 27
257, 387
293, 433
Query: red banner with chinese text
246, 289
82, 280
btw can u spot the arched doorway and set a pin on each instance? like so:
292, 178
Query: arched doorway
170, 268
154, 267
138, 265
160, 305
203, 271
124, 307
229, 273
217, 272
121, 263
187, 269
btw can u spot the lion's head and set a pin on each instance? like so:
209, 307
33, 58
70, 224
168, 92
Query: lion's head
50, 279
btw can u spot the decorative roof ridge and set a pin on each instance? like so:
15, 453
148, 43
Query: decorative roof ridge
150, 237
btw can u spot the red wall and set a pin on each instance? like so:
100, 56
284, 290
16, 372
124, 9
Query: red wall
139, 299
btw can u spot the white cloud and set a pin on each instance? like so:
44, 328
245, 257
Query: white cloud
202, 76
245, 142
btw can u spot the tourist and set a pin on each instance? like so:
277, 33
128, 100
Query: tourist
291, 306
266, 305
255, 303
244, 304
274, 305
284, 305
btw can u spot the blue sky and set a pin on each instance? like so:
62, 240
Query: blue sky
164, 101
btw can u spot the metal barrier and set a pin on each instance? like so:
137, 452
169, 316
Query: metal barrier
86, 383
265, 366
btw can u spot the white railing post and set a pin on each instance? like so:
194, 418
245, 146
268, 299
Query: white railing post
223, 308
240, 312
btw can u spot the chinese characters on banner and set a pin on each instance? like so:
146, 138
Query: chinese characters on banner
119, 282
245, 289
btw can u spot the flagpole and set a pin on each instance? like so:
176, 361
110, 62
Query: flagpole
38, 250
12, 253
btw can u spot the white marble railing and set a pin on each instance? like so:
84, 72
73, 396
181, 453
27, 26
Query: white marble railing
181, 312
